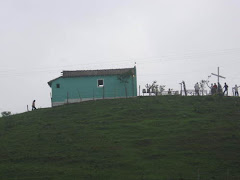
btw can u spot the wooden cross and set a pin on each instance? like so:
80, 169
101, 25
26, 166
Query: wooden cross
218, 75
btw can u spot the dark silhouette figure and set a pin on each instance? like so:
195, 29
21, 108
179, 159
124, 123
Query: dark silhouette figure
169, 91
215, 88
225, 89
219, 89
33, 105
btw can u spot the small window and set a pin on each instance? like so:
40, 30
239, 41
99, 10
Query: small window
100, 83
58, 85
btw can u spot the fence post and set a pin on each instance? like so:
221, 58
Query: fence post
184, 87
139, 90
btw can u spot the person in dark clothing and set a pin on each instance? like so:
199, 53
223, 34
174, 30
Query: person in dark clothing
225, 89
169, 91
219, 89
33, 105
215, 88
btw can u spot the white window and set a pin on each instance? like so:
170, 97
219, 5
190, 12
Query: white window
100, 83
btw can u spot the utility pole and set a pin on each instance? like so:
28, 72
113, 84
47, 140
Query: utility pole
218, 76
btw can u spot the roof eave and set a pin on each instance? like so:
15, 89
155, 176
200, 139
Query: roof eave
50, 82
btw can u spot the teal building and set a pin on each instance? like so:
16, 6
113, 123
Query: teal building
84, 85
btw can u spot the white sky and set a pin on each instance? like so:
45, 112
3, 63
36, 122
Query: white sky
170, 40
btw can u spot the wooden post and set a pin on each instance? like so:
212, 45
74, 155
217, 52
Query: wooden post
218, 75
93, 94
181, 89
139, 90
184, 87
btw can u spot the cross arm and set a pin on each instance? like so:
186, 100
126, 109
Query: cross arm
218, 76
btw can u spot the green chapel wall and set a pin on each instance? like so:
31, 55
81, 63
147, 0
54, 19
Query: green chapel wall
86, 88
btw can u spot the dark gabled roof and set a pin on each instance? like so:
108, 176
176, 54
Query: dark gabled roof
103, 72
50, 82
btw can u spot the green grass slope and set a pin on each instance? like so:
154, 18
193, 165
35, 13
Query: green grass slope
168, 138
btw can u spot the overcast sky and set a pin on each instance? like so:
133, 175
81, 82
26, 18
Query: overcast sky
170, 40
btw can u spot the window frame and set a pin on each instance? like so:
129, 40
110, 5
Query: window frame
100, 86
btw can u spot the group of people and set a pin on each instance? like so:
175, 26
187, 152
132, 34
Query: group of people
217, 89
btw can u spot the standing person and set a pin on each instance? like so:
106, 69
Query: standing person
211, 87
214, 88
197, 88
236, 90
219, 89
225, 89
33, 105
169, 91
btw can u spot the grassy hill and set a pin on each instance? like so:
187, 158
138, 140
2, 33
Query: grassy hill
167, 138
